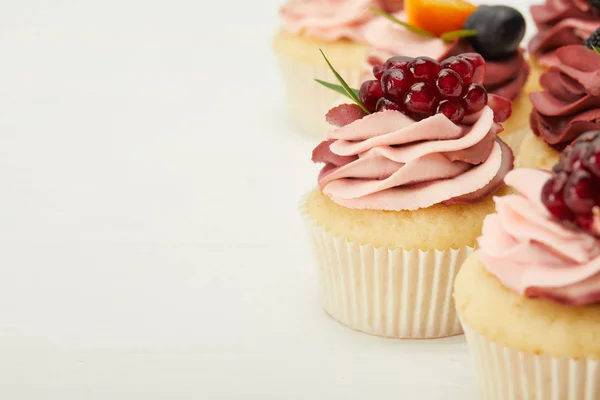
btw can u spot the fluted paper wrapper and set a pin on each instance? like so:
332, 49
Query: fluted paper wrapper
308, 100
504, 373
392, 293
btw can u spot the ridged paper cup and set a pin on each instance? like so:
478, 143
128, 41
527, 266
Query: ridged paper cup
387, 292
309, 101
504, 373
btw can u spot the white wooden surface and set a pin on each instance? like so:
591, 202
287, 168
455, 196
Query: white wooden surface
150, 246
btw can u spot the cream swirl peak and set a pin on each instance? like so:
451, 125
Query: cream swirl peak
534, 254
387, 161
331, 19
561, 23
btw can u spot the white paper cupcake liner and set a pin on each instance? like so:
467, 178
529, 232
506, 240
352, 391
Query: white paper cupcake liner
309, 101
504, 373
392, 293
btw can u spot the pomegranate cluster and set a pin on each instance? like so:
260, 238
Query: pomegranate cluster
573, 192
422, 87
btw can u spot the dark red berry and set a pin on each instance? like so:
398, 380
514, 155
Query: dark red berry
476, 98
386, 105
378, 71
573, 192
454, 110
582, 192
395, 84
370, 93
449, 84
553, 199
421, 100
461, 66
478, 63
424, 69
399, 62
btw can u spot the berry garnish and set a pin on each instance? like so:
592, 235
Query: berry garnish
461, 66
593, 40
424, 69
399, 62
387, 105
370, 93
422, 100
454, 110
450, 84
438, 16
500, 30
378, 71
476, 98
573, 192
396, 83
478, 63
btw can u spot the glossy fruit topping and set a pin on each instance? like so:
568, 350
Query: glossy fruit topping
422, 87
438, 16
572, 194
500, 30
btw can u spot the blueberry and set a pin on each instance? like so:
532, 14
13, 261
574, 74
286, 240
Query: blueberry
500, 30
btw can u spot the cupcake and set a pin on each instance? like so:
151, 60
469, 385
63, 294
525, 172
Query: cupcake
400, 202
529, 298
568, 105
336, 27
560, 23
499, 32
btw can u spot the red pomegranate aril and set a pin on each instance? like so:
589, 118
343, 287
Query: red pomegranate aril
386, 105
449, 84
478, 63
453, 110
424, 69
421, 99
476, 98
399, 62
582, 192
378, 71
370, 93
395, 83
461, 66
501, 106
552, 197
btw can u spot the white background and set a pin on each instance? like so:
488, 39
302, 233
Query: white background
150, 245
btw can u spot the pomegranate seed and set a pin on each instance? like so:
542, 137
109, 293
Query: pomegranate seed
501, 106
378, 71
582, 192
454, 110
386, 105
421, 100
370, 92
395, 84
476, 98
552, 197
449, 83
460, 66
424, 69
478, 63
399, 62
591, 160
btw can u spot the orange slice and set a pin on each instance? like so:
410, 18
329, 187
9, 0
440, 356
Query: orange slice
438, 16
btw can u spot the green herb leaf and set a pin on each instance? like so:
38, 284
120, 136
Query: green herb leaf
410, 27
597, 50
352, 94
338, 88
463, 33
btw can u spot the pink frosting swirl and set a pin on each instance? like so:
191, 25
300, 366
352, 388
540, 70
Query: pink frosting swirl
329, 19
535, 255
387, 161
561, 23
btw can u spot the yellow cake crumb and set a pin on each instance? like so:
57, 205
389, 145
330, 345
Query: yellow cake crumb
535, 153
530, 325
438, 227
